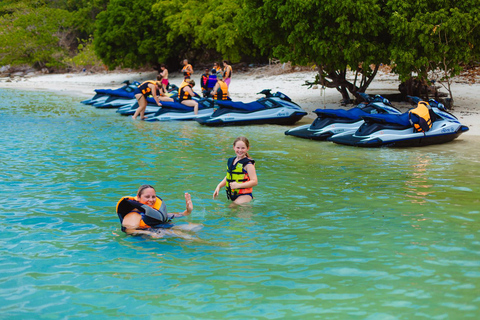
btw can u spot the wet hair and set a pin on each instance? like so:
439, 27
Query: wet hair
191, 82
225, 61
159, 78
244, 140
143, 188
163, 65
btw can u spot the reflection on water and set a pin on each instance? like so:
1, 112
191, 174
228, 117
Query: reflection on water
334, 232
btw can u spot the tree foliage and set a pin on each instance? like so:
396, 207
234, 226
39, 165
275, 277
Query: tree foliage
434, 36
39, 36
130, 34
334, 35
204, 24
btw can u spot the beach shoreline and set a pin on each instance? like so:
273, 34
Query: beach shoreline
246, 85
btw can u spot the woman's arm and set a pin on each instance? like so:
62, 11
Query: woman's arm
188, 205
215, 88
189, 90
252, 174
219, 186
154, 93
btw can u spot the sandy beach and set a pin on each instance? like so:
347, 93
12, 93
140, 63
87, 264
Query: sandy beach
246, 85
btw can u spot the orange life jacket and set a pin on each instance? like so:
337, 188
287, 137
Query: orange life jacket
222, 92
422, 112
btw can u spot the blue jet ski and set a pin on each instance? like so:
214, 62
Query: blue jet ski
274, 108
334, 121
392, 130
170, 110
114, 98
175, 111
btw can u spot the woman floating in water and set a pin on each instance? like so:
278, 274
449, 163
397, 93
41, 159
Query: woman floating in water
241, 175
147, 213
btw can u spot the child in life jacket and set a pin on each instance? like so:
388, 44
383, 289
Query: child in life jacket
241, 175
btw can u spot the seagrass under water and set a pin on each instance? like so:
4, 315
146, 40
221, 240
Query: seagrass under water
334, 232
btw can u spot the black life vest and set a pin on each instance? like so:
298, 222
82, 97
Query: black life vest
151, 217
145, 89
237, 173
182, 94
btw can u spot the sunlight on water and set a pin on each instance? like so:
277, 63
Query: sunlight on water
334, 232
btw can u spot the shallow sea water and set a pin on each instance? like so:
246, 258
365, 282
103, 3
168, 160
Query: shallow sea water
334, 232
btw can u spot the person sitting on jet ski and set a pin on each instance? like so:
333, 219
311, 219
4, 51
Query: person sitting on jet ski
146, 213
185, 94
220, 90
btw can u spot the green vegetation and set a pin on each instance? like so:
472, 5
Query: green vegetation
422, 39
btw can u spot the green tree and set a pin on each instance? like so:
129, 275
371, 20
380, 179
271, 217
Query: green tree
434, 39
130, 34
206, 24
336, 36
38, 36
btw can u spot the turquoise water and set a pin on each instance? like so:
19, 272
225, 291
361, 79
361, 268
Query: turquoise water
334, 232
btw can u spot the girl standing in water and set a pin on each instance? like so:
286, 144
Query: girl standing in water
241, 175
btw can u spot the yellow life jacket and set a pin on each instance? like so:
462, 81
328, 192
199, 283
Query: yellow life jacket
237, 173
222, 92
151, 216
182, 94
422, 112
144, 88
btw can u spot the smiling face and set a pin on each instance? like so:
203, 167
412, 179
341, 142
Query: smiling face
240, 149
148, 197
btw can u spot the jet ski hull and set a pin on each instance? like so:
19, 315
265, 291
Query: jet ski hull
441, 132
247, 119
169, 114
323, 132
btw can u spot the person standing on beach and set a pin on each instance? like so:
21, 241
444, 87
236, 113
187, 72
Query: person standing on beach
142, 92
216, 68
164, 75
185, 95
227, 72
241, 175
187, 70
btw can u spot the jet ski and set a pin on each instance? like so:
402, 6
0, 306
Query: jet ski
175, 111
170, 110
333, 121
113, 98
274, 108
405, 130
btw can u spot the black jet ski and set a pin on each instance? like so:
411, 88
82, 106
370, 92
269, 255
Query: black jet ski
405, 130
274, 108
334, 121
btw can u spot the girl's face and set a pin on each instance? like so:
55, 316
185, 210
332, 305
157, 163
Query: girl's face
148, 197
240, 149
